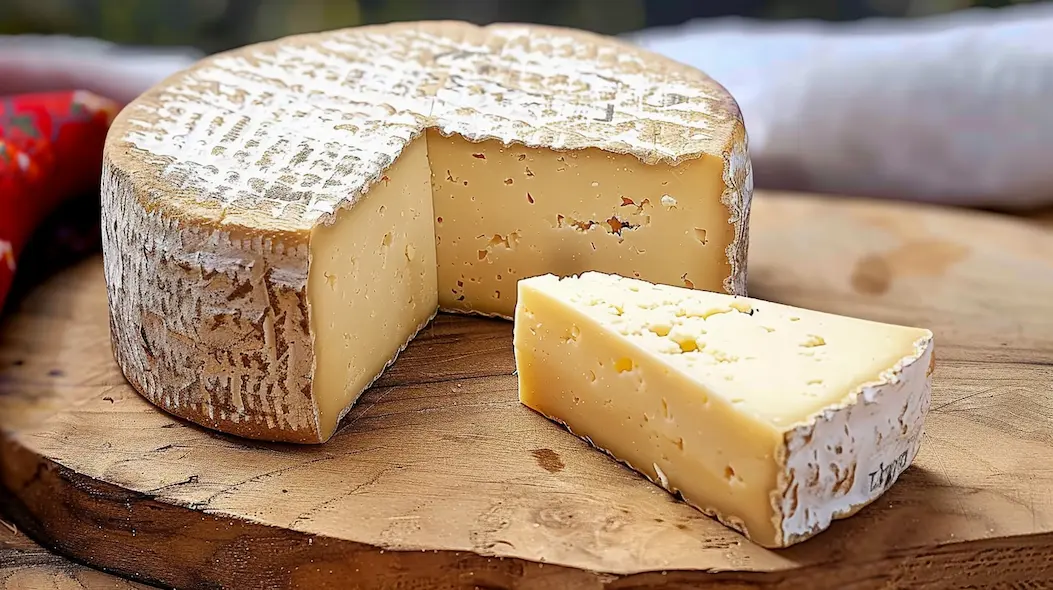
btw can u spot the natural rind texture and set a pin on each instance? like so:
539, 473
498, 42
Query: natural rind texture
214, 180
596, 353
881, 426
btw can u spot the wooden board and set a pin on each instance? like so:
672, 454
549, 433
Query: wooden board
440, 479
1044, 216
25, 565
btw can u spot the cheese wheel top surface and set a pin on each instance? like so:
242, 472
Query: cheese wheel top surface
276, 137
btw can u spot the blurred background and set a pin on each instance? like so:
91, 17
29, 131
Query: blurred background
944, 101
215, 25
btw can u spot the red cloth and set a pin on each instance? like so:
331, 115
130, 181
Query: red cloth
50, 150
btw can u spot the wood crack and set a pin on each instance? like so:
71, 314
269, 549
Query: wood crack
303, 517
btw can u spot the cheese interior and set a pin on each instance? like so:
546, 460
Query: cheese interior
693, 389
455, 224
504, 213
371, 283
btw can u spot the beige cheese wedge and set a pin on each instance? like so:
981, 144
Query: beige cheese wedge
773, 419
280, 220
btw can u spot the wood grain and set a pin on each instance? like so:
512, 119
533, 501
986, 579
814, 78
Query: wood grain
440, 479
25, 565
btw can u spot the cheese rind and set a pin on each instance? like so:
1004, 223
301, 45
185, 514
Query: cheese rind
221, 183
775, 420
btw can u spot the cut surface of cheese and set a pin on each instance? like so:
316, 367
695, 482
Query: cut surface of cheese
372, 283
281, 219
774, 419
505, 213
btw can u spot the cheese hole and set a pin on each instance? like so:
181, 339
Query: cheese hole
409, 252
482, 254
592, 376
479, 156
795, 319
686, 343
813, 341
508, 181
387, 239
700, 235
438, 219
660, 329
497, 294
505, 241
741, 306
679, 442
623, 365
665, 408
530, 198
730, 475
382, 209
575, 333
466, 183
687, 281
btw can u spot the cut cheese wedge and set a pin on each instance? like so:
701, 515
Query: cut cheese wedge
775, 420
280, 220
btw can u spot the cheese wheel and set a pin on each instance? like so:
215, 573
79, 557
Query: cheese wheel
279, 221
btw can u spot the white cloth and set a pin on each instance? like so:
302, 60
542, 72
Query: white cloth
953, 109
31, 63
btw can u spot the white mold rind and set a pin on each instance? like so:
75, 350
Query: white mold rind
846, 457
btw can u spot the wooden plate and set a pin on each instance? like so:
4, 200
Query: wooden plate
440, 479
